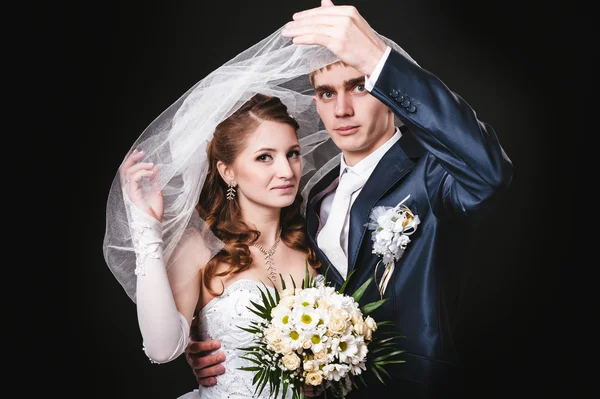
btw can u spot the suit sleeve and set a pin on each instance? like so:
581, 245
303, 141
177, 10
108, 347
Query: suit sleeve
466, 165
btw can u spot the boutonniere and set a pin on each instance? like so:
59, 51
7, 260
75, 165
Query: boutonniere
391, 227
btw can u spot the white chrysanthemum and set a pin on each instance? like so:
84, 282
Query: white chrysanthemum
346, 347
293, 338
307, 298
361, 353
282, 317
318, 339
357, 369
306, 318
335, 371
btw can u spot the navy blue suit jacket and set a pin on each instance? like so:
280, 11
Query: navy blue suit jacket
453, 167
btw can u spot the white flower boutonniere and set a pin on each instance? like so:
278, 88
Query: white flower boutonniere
391, 227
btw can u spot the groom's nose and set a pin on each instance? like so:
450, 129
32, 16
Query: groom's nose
343, 106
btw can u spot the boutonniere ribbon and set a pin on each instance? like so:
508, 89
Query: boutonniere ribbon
391, 227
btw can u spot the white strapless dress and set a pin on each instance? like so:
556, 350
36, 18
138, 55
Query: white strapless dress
220, 319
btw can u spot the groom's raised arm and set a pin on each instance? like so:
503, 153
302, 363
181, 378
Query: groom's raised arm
468, 165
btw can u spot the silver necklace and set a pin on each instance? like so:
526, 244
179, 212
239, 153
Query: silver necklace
269, 258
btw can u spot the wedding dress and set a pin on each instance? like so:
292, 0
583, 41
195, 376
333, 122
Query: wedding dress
220, 319
166, 332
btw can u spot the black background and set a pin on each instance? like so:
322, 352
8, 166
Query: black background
131, 60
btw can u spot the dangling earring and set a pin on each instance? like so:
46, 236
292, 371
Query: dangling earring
231, 191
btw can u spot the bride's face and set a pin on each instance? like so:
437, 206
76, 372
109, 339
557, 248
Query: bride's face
268, 169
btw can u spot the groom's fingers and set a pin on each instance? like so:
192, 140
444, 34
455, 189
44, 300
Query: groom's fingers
318, 22
310, 29
199, 347
326, 3
206, 382
202, 361
330, 10
208, 372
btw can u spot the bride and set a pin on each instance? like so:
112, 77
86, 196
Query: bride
206, 208
250, 201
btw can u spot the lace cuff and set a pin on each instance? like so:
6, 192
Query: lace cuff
146, 234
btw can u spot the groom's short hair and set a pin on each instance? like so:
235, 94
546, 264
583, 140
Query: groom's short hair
311, 76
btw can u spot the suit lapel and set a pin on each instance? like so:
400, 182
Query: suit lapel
313, 207
390, 169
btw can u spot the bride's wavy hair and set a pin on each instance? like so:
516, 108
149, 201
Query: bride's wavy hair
224, 216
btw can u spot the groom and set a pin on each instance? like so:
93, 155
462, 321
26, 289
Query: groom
443, 164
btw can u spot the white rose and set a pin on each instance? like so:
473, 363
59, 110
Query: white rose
310, 365
383, 219
356, 317
291, 361
403, 240
321, 356
285, 348
276, 347
385, 235
337, 325
360, 328
371, 324
314, 378
342, 314
389, 226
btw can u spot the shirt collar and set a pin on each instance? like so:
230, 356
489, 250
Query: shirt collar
366, 165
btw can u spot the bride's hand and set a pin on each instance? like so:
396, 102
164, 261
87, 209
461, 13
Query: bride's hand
132, 172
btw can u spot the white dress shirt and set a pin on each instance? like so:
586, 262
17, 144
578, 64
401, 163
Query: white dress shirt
364, 168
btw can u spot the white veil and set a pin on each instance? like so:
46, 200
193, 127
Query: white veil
176, 142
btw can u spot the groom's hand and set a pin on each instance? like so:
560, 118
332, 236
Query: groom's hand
342, 30
205, 364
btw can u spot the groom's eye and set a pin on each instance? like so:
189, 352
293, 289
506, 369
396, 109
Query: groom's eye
361, 88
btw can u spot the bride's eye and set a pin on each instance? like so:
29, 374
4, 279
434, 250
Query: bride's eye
263, 157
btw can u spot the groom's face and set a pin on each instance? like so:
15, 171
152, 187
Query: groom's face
357, 122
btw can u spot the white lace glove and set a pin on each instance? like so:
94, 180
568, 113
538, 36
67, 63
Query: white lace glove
164, 330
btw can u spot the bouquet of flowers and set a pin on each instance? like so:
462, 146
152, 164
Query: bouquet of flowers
314, 335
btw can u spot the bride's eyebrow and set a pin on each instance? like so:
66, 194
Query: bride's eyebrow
295, 146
